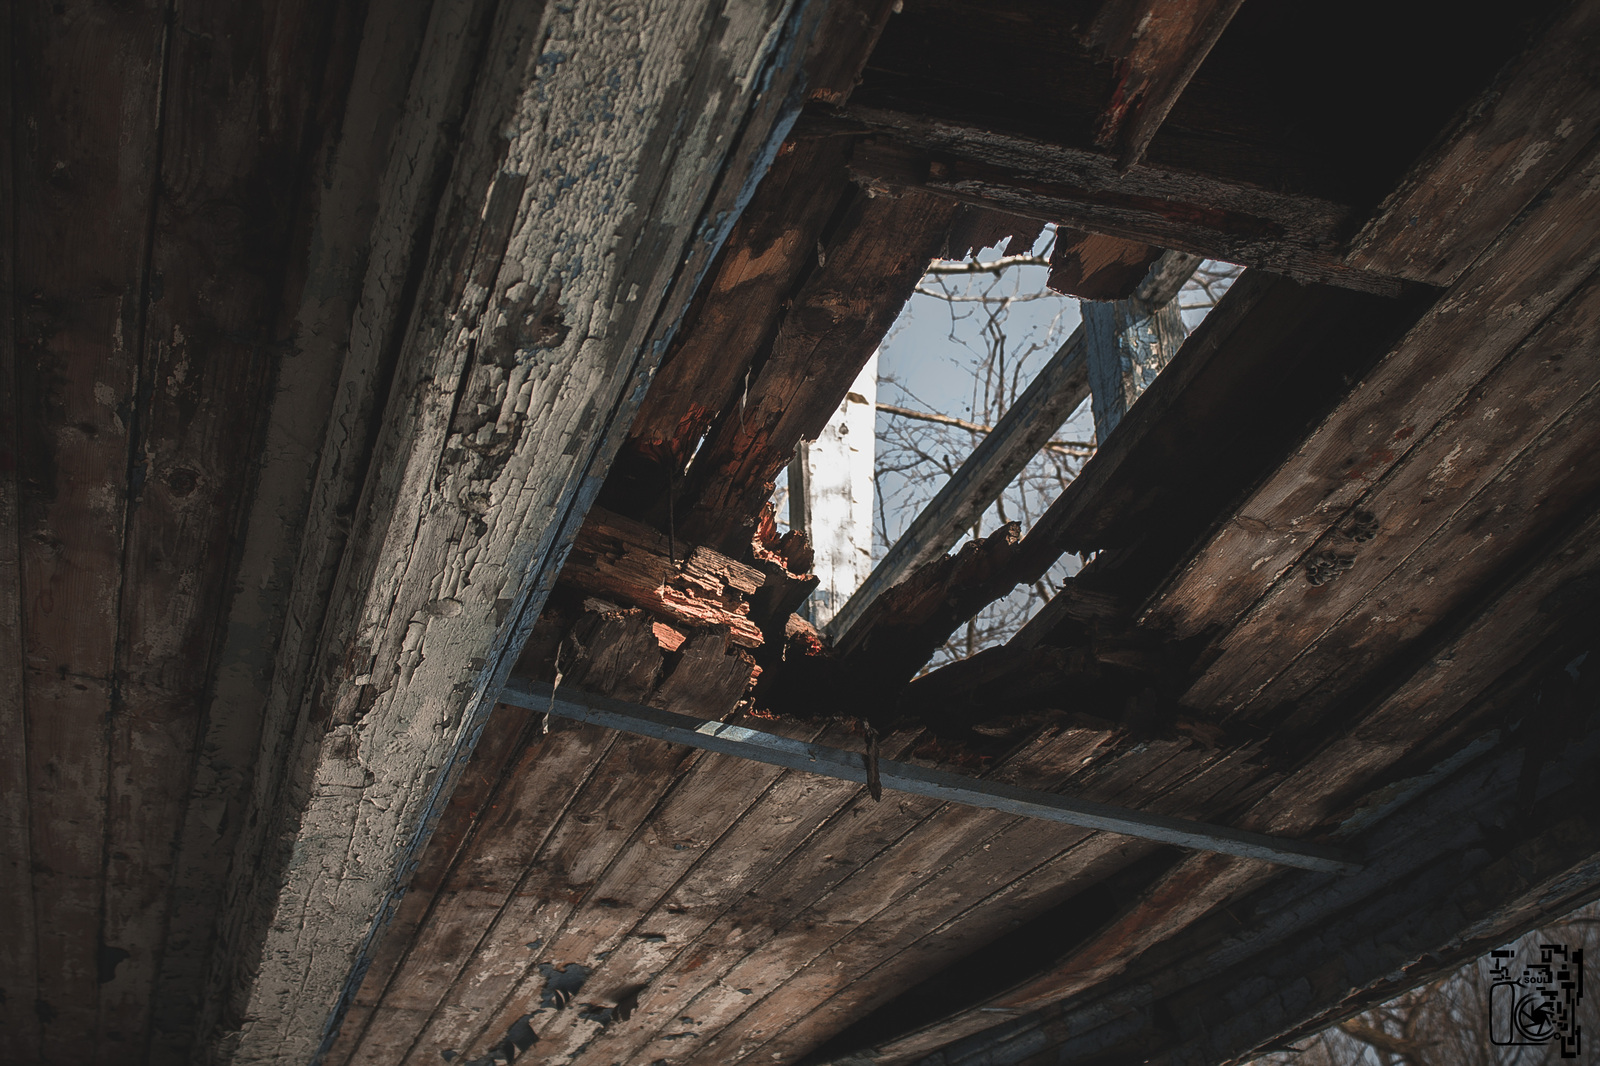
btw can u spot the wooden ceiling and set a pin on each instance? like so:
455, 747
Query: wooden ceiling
359, 355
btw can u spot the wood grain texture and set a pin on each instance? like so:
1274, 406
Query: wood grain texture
1156, 47
772, 248
526, 354
867, 271
1539, 115
1298, 235
1535, 409
87, 79
1442, 889
1529, 271
507, 736
631, 563
324, 410
1093, 266
19, 1022
1007, 880
235, 125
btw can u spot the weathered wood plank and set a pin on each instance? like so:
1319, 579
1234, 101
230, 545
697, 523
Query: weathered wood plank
835, 988
1296, 235
1157, 47
1053, 394
314, 416
634, 564
507, 736
668, 939
19, 1022
1330, 615
694, 812
1541, 113
566, 251
771, 249
539, 884
867, 271
1501, 299
210, 333
1094, 266
1252, 380
1531, 602
88, 84
855, 877
1443, 887
1090, 885
541, 784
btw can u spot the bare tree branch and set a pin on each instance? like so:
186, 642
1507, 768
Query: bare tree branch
993, 267
1081, 448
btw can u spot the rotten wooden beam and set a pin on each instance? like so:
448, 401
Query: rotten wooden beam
776, 750
859, 280
1301, 236
1156, 47
1094, 266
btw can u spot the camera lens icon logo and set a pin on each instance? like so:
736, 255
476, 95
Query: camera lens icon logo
1536, 1017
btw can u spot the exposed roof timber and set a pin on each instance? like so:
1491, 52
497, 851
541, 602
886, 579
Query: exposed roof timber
75, 300
1442, 883
1128, 343
1157, 47
746, 743
325, 407
1093, 266
833, 324
1300, 235
1053, 394
1541, 113
484, 467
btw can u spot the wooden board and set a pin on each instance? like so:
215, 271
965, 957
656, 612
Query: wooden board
84, 169
1157, 47
772, 249
865, 273
206, 371
507, 736
1530, 270
323, 410
490, 451
19, 1023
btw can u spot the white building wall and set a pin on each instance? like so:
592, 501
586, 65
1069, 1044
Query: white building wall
831, 499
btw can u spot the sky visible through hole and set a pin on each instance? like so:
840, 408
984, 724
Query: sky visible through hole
967, 345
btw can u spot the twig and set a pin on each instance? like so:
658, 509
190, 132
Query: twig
993, 267
1066, 447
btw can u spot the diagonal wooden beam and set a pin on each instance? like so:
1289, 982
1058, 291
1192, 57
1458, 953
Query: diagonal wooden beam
712, 735
1157, 45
